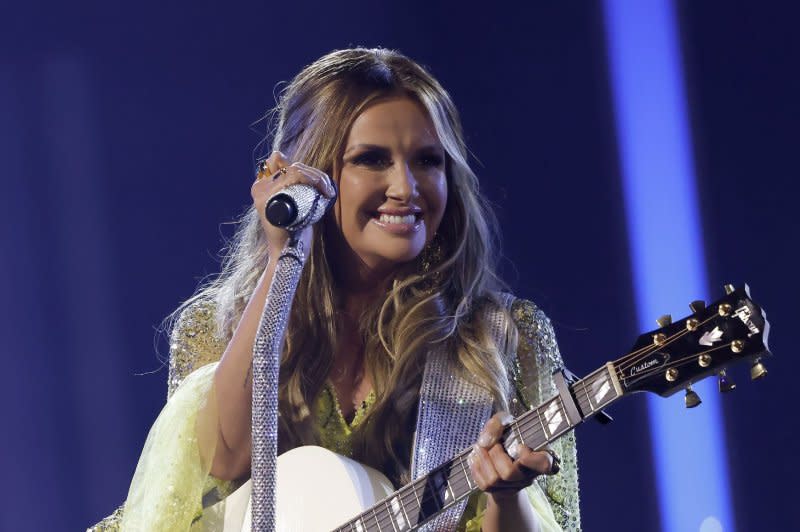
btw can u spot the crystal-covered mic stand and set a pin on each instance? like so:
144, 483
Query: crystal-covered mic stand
266, 363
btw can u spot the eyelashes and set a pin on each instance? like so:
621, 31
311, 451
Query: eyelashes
380, 160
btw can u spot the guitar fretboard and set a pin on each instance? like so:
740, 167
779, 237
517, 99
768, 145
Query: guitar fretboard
421, 500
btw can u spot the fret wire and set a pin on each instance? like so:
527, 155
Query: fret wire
564, 412
403, 493
519, 434
405, 514
539, 415
387, 514
588, 399
447, 487
416, 496
529, 425
459, 480
466, 473
390, 512
375, 516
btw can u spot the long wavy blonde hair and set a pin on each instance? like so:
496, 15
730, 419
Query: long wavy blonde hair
441, 305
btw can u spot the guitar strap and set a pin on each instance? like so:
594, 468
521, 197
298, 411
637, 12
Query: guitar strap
452, 411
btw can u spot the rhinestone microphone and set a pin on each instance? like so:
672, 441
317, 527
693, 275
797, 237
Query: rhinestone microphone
296, 207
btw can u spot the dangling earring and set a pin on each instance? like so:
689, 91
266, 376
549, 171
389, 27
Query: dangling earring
429, 258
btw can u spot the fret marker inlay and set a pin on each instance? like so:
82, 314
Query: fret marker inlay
600, 388
554, 417
397, 513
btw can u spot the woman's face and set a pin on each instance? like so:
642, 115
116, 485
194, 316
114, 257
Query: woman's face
392, 185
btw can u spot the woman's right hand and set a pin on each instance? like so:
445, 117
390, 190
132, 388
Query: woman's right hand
275, 174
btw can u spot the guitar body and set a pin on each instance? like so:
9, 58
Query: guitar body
344, 489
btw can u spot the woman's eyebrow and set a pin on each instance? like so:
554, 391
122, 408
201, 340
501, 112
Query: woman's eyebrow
366, 147
426, 147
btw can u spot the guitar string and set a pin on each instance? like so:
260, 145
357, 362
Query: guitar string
460, 484
655, 347
523, 425
387, 512
692, 358
681, 361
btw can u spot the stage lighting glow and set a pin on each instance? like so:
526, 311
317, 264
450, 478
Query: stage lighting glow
666, 249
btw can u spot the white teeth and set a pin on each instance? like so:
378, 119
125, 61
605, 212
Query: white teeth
393, 219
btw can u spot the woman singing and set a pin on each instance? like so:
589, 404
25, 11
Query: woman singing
398, 287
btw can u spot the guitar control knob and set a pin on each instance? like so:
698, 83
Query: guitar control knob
729, 289
758, 371
691, 399
697, 305
664, 320
725, 383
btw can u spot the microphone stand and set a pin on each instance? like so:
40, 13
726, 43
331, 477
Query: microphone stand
266, 363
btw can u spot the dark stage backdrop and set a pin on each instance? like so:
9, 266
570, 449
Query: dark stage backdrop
125, 147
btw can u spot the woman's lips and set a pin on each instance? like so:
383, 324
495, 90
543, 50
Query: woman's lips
397, 224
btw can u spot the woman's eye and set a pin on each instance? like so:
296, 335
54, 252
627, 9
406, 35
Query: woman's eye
431, 160
372, 159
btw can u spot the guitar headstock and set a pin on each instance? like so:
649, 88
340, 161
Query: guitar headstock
729, 331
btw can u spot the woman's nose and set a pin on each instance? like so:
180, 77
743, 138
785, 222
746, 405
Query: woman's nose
402, 183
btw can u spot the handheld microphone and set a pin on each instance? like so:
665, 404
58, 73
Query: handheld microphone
296, 207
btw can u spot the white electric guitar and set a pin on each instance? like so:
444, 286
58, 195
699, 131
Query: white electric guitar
318, 490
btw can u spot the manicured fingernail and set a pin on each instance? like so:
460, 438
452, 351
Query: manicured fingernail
506, 418
484, 440
513, 450
472, 456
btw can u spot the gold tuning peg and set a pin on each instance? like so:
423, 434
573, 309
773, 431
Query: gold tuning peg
758, 371
664, 320
725, 383
729, 288
691, 399
697, 305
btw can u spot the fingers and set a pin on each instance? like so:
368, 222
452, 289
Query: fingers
276, 173
320, 179
537, 462
272, 164
495, 470
492, 472
494, 429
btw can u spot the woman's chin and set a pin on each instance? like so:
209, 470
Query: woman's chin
391, 261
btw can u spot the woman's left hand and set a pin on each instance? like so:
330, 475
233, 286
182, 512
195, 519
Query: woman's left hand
496, 472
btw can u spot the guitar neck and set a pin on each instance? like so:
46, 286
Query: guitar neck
419, 501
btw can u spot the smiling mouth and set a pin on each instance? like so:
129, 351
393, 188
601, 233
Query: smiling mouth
398, 224
395, 219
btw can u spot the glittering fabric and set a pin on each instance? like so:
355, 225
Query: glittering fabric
193, 345
266, 365
452, 412
537, 357
333, 431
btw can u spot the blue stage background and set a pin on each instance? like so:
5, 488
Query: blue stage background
125, 147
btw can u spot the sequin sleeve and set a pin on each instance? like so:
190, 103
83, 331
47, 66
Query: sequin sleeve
537, 357
193, 343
